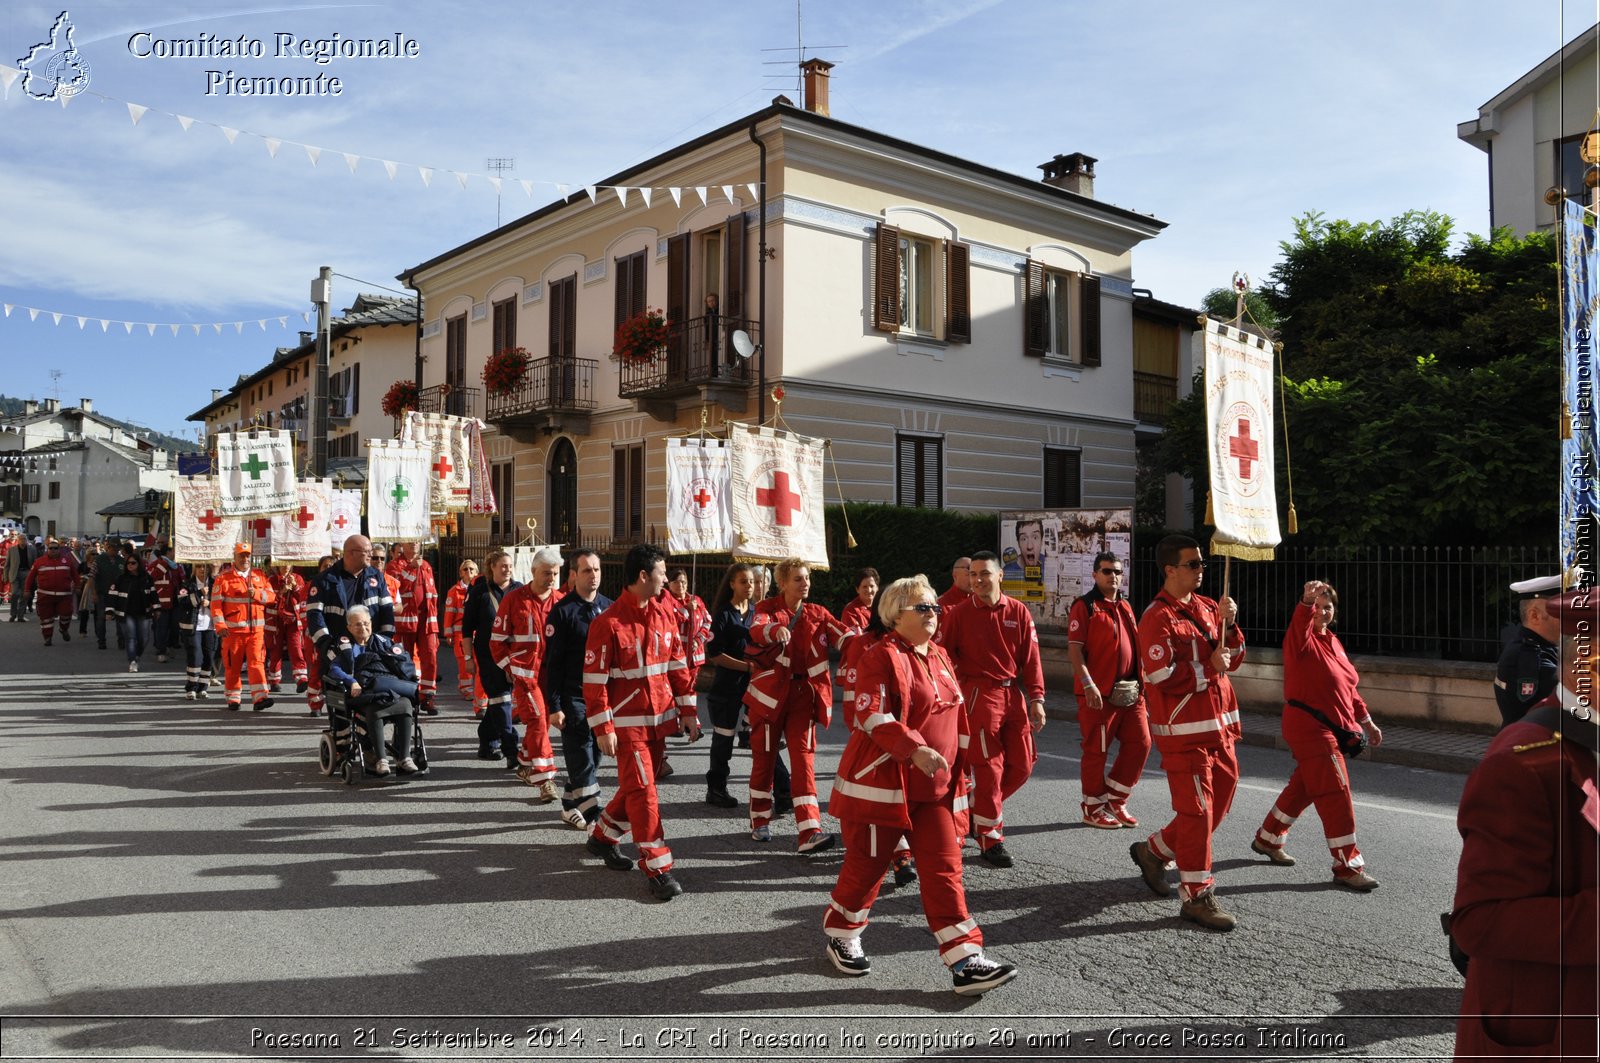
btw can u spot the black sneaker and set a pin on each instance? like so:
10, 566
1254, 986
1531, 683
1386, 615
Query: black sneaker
274, 688
664, 887
66, 636
997, 855
300, 686
614, 860
233, 706
426, 706
782, 803
264, 703
489, 753
817, 843
979, 974
904, 874
848, 956
721, 799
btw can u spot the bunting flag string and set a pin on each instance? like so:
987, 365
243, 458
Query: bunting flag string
138, 113
150, 327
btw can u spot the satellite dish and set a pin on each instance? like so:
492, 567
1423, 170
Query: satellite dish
742, 344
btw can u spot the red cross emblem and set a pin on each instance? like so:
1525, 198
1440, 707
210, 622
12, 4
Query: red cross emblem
783, 501
443, 467
304, 518
1244, 448
210, 520
702, 497
261, 526
341, 522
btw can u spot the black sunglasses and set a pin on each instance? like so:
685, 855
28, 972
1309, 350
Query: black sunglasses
926, 607
1193, 564
1111, 572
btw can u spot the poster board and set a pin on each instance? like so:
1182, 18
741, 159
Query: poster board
1048, 557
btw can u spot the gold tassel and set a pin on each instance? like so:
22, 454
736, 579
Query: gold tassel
1211, 518
1566, 420
850, 540
1294, 520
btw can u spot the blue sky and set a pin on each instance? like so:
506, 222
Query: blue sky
1225, 119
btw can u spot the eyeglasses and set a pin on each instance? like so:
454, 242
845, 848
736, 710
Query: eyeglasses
925, 608
1191, 565
1111, 572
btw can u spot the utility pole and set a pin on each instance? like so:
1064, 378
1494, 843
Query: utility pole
321, 295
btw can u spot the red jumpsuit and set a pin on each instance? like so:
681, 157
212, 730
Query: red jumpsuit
636, 686
286, 628
455, 604
995, 650
240, 602
790, 692
903, 700
1109, 636
1194, 717
856, 614
849, 671
416, 619
1316, 672
517, 645
695, 623
55, 577
953, 597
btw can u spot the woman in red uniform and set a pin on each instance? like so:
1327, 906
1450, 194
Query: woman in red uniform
857, 612
903, 772
1320, 699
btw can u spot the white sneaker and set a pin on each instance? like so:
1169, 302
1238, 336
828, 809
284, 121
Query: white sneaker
574, 819
133, 666
161, 658
188, 695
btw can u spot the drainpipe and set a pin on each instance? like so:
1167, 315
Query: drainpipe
761, 280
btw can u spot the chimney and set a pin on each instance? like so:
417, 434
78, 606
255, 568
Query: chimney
816, 85
158, 459
52, 405
305, 338
1074, 172
86, 405
29, 407
216, 393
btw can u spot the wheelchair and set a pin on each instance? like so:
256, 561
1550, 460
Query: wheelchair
345, 748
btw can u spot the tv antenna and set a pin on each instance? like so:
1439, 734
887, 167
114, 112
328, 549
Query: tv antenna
799, 52
500, 166
55, 383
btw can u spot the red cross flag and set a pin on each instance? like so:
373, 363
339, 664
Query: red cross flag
450, 469
199, 530
776, 494
699, 513
1244, 498
301, 535
344, 517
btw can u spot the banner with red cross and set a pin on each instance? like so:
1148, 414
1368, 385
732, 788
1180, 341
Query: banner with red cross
255, 472
450, 470
1239, 412
301, 535
699, 509
344, 517
776, 495
397, 490
200, 532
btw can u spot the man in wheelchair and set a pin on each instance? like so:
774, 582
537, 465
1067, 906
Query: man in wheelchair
380, 681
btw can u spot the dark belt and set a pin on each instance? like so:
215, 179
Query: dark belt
986, 682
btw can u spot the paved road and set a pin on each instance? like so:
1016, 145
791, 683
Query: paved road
180, 881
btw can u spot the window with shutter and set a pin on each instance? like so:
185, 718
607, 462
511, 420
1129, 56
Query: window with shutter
886, 279
1089, 319
919, 471
731, 298
505, 325
563, 300
630, 286
355, 389
455, 351
503, 521
1063, 478
627, 493
958, 293
1035, 311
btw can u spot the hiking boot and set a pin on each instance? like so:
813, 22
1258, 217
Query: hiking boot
1274, 853
1100, 816
978, 974
1361, 882
608, 852
1205, 910
547, 792
664, 887
1151, 867
997, 855
721, 799
1120, 810
848, 957
817, 843
904, 874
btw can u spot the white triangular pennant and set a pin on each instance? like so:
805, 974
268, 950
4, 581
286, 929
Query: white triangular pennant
33, 315
8, 75
461, 179
426, 174
272, 145
306, 316
389, 167
283, 322
753, 194
229, 132
174, 329
263, 323
677, 195
351, 160
105, 326
700, 190
238, 328
622, 195
151, 328
593, 198
185, 121
9, 307
493, 181
63, 98
127, 326
314, 153
727, 191
644, 194
196, 329
56, 318
82, 321
136, 112
561, 190
527, 186
218, 327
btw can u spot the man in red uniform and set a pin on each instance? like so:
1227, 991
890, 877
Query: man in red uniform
416, 618
517, 645
455, 605
960, 583
636, 687
1194, 717
1103, 647
790, 693
167, 578
284, 627
1527, 898
992, 642
241, 598
55, 577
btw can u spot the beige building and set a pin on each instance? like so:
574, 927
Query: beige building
1532, 131
963, 336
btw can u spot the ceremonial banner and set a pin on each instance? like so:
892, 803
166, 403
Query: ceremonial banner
450, 471
199, 530
255, 472
1244, 496
482, 499
258, 533
699, 502
344, 518
1581, 442
302, 535
397, 490
776, 495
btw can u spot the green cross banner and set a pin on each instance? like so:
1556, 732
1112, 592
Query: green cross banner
256, 475
398, 489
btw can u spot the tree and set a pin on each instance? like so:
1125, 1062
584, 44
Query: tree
1421, 384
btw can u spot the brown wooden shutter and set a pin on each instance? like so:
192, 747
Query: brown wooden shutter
886, 279
958, 292
636, 492
638, 285
355, 389
731, 298
1089, 318
1035, 311
677, 301
569, 314
619, 493
905, 471
558, 322
622, 286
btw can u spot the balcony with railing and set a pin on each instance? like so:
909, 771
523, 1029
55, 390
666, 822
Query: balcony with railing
698, 366
1153, 396
554, 395
453, 399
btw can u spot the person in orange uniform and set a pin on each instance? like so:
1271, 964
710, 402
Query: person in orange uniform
790, 693
455, 603
1194, 717
517, 645
55, 577
992, 642
636, 689
416, 619
1103, 648
241, 597
1527, 903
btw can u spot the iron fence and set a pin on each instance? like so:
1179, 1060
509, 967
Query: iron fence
1447, 602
